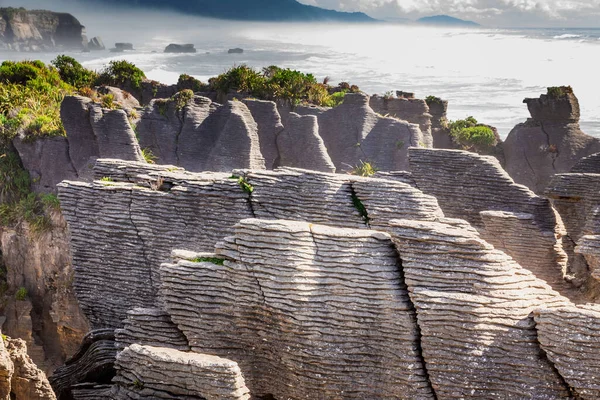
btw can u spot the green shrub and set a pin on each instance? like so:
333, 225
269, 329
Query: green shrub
119, 73
189, 82
50, 201
559, 91
73, 73
21, 294
433, 100
108, 101
469, 133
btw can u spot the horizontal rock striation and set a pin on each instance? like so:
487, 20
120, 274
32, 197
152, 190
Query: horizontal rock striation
142, 371
312, 311
200, 135
151, 327
588, 165
550, 142
92, 365
121, 232
570, 336
473, 307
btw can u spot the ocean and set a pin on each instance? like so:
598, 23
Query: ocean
485, 73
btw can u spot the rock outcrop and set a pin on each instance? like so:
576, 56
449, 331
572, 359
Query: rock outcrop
415, 111
180, 48
40, 30
23, 380
151, 327
550, 142
93, 364
474, 307
96, 44
353, 132
142, 371
47, 315
570, 337
200, 135
312, 285
92, 132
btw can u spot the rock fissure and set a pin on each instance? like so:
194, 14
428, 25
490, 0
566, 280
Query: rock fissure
141, 239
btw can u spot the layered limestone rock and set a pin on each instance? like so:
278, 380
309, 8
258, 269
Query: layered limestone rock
468, 186
47, 316
571, 339
353, 132
300, 146
141, 373
28, 382
151, 327
340, 322
7, 369
588, 165
269, 124
40, 30
550, 142
92, 365
415, 111
92, 132
576, 198
200, 135
121, 232
474, 307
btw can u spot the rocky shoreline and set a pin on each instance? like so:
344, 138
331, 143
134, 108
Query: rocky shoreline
221, 246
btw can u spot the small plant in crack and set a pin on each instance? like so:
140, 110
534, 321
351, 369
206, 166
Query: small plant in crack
364, 169
138, 385
360, 207
21, 294
244, 184
212, 260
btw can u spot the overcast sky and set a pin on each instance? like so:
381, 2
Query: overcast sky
516, 13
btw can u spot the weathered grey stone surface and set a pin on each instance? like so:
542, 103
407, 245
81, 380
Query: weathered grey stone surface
473, 308
121, 232
353, 132
200, 135
300, 145
588, 165
313, 312
415, 111
550, 142
114, 135
145, 372
570, 336
466, 183
83, 145
91, 391
541, 252
28, 382
47, 161
577, 198
400, 176
93, 364
151, 327
124, 99
269, 124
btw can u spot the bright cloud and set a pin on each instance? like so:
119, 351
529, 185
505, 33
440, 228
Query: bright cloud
491, 12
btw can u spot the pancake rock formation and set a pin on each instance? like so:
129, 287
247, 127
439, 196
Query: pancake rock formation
550, 142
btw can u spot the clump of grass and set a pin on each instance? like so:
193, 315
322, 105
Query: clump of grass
106, 179
469, 133
50, 201
212, 260
21, 294
182, 98
149, 156
244, 184
108, 101
364, 169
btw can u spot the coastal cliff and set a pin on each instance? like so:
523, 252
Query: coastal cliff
40, 30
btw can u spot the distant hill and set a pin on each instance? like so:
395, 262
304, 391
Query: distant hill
246, 10
446, 20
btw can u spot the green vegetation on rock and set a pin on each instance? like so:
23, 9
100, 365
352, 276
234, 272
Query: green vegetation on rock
468, 133
121, 73
21, 294
364, 169
73, 73
212, 260
433, 100
556, 92
275, 83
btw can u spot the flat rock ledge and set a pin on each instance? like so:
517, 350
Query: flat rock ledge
146, 372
